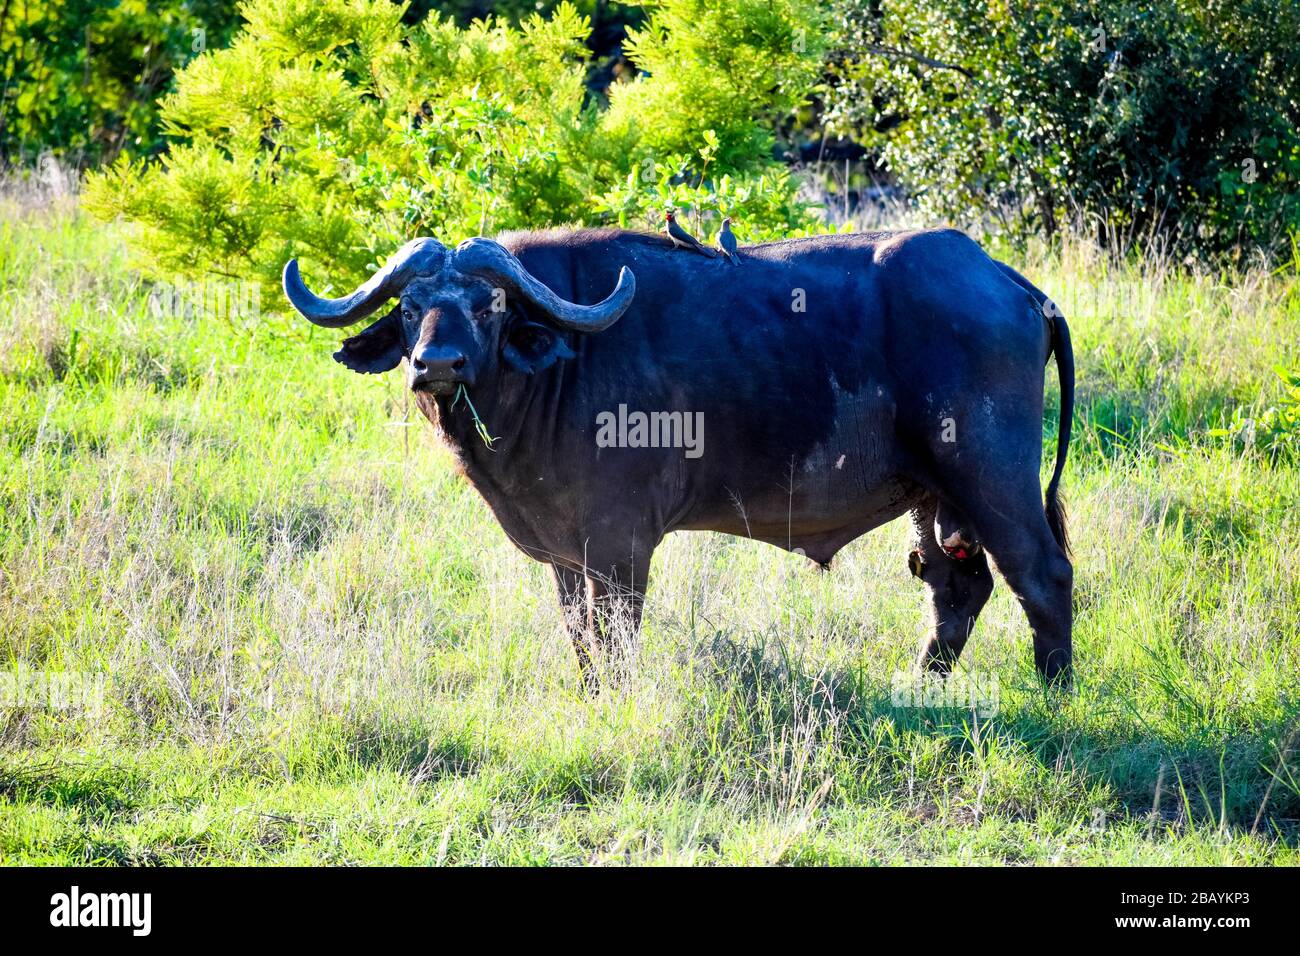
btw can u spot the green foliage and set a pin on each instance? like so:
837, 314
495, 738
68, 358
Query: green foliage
80, 77
1177, 119
733, 68
1274, 432
335, 131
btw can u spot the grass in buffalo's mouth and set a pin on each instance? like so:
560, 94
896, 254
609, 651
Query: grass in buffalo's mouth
317, 646
463, 394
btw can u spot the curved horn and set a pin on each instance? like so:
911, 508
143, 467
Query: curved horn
492, 261
418, 257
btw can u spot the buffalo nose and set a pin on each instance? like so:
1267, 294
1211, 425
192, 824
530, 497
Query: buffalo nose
437, 363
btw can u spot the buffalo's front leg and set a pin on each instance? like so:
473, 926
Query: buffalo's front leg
602, 614
571, 586
616, 601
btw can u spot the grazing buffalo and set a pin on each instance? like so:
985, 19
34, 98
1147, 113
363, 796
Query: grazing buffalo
833, 384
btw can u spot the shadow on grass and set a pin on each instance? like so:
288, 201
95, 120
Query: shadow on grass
1236, 780
1233, 780
424, 755
1227, 525
97, 791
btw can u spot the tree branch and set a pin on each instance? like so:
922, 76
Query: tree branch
895, 54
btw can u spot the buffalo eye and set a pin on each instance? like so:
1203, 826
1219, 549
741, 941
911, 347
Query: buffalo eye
531, 338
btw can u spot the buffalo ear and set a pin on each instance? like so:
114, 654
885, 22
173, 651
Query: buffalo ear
378, 348
531, 347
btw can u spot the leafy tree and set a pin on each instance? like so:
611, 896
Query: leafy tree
80, 77
734, 68
334, 131
1178, 119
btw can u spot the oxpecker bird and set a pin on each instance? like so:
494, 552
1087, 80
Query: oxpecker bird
727, 240
683, 239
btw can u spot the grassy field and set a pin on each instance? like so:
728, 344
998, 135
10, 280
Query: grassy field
316, 646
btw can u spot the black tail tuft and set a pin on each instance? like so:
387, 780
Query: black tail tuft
1056, 519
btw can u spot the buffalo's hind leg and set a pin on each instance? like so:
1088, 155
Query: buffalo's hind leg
1014, 530
958, 588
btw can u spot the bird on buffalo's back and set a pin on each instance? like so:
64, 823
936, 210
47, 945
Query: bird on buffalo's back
727, 241
683, 239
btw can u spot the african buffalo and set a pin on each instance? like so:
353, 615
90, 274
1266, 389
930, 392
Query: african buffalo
841, 381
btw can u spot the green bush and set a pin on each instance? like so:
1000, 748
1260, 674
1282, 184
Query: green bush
79, 78
1275, 431
334, 131
1177, 120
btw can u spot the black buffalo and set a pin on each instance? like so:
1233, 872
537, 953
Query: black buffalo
841, 382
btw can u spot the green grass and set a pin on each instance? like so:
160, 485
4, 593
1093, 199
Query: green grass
318, 647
